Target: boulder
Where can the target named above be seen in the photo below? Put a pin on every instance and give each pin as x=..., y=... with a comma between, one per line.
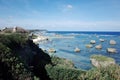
x=52, y=50
x=98, y=46
x=89, y=46
x=102, y=40
x=92, y=42
x=77, y=50
x=112, y=42
x=111, y=50
x=101, y=61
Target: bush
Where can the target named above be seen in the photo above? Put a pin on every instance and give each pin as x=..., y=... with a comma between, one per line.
x=62, y=62
x=62, y=69
x=17, y=55
x=60, y=73
x=109, y=73
x=14, y=68
x=13, y=40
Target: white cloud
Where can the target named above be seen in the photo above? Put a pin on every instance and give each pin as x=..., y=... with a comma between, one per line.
x=69, y=6
x=65, y=24
x=66, y=8
x=83, y=25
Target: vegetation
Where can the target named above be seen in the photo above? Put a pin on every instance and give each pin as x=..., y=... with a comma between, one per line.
x=58, y=72
x=63, y=69
x=11, y=66
x=62, y=62
x=61, y=73
x=104, y=73
x=101, y=58
x=13, y=40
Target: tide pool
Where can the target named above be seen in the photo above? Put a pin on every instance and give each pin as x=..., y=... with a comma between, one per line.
x=65, y=46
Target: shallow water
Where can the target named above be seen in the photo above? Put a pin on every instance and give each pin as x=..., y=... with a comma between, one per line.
x=65, y=47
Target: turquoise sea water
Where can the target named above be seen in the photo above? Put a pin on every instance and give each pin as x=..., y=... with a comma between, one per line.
x=65, y=42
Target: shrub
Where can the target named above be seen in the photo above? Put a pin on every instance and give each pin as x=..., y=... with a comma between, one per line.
x=62, y=69
x=13, y=40
x=60, y=73
x=62, y=62
x=13, y=65
x=108, y=73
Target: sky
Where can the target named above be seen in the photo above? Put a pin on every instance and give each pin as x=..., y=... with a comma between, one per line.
x=61, y=15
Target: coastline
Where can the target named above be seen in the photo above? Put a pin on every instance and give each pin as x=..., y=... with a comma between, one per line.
x=39, y=39
x=65, y=43
x=44, y=66
x=44, y=38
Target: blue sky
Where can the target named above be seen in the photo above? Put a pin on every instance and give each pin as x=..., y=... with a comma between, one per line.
x=77, y=15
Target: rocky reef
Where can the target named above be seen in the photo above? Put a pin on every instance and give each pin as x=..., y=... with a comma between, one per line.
x=113, y=42
x=101, y=61
x=89, y=46
x=98, y=46
x=111, y=50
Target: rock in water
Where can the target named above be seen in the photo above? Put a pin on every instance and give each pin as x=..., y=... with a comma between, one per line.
x=101, y=61
x=52, y=50
x=102, y=40
x=77, y=50
x=92, y=42
x=98, y=46
x=112, y=42
x=89, y=46
x=111, y=50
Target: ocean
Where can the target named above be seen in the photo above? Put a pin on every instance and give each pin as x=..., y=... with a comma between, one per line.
x=65, y=42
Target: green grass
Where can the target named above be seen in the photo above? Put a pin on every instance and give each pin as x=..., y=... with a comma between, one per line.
x=101, y=58
x=61, y=73
x=107, y=73
x=62, y=62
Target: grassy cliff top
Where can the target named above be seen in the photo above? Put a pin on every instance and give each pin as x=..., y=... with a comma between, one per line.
x=101, y=58
x=62, y=62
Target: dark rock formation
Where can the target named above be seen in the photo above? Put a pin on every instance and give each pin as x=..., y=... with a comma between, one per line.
x=27, y=53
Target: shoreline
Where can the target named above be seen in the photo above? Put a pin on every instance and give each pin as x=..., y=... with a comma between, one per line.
x=64, y=45
x=62, y=37
x=44, y=38
x=39, y=39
